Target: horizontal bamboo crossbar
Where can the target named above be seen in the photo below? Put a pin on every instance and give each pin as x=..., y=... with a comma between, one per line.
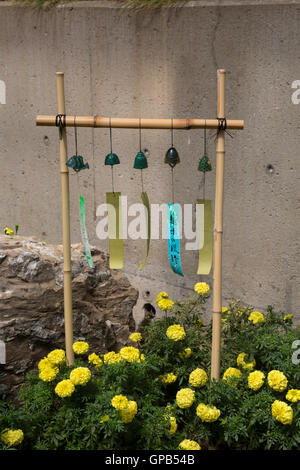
x=136, y=123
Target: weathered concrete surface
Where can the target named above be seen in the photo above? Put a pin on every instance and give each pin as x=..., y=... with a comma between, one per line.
x=31, y=304
x=161, y=64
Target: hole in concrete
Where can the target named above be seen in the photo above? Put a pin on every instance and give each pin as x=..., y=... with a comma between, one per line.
x=146, y=293
x=270, y=169
x=149, y=310
x=46, y=140
x=146, y=152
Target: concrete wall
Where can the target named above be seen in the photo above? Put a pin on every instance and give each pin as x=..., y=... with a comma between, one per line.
x=161, y=64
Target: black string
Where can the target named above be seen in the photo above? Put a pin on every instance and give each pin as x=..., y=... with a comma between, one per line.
x=222, y=126
x=110, y=135
x=140, y=138
x=75, y=129
x=172, y=168
x=60, y=121
x=140, y=134
x=112, y=167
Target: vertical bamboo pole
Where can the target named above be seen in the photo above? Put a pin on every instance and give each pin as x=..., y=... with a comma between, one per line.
x=218, y=231
x=64, y=173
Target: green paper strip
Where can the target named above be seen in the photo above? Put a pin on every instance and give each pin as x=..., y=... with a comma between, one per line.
x=84, y=233
x=205, y=253
x=115, y=231
x=146, y=203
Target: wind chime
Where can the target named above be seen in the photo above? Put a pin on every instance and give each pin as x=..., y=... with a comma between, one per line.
x=205, y=248
x=141, y=163
x=173, y=215
x=77, y=164
x=172, y=159
x=116, y=258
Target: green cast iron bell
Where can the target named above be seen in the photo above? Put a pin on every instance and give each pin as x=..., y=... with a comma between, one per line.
x=76, y=162
x=204, y=164
x=140, y=161
x=112, y=159
x=172, y=157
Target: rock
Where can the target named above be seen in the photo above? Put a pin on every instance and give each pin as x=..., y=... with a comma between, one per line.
x=32, y=307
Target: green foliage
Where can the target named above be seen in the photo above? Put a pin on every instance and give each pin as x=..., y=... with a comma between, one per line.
x=80, y=422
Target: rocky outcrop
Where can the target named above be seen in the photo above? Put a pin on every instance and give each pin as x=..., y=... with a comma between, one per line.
x=32, y=309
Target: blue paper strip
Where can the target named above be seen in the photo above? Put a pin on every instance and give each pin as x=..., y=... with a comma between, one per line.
x=174, y=238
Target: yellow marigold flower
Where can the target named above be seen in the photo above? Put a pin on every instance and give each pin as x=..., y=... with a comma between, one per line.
x=48, y=373
x=207, y=413
x=256, y=317
x=127, y=414
x=173, y=425
x=201, y=288
x=293, y=395
x=175, y=332
x=57, y=357
x=231, y=374
x=241, y=361
x=277, y=380
x=187, y=444
x=112, y=357
x=162, y=295
x=169, y=378
x=44, y=363
x=95, y=360
x=80, y=347
x=104, y=419
x=185, y=397
x=225, y=310
x=12, y=437
x=65, y=388
x=135, y=337
x=185, y=354
x=119, y=402
x=198, y=377
x=288, y=317
x=165, y=304
x=256, y=380
x=282, y=412
x=80, y=376
x=130, y=354
x=8, y=231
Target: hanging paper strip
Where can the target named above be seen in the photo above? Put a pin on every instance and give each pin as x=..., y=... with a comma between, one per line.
x=174, y=238
x=146, y=203
x=84, y=233
x=205, y=253
x=114, y=231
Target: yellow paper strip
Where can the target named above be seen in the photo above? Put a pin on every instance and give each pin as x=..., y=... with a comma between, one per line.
x=115, y=231
x=205, y=254
x=146, y=203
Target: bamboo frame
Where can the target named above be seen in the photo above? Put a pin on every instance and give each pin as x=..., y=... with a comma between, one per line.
x=218, y=232
x=65, y=193
x=137, y=123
